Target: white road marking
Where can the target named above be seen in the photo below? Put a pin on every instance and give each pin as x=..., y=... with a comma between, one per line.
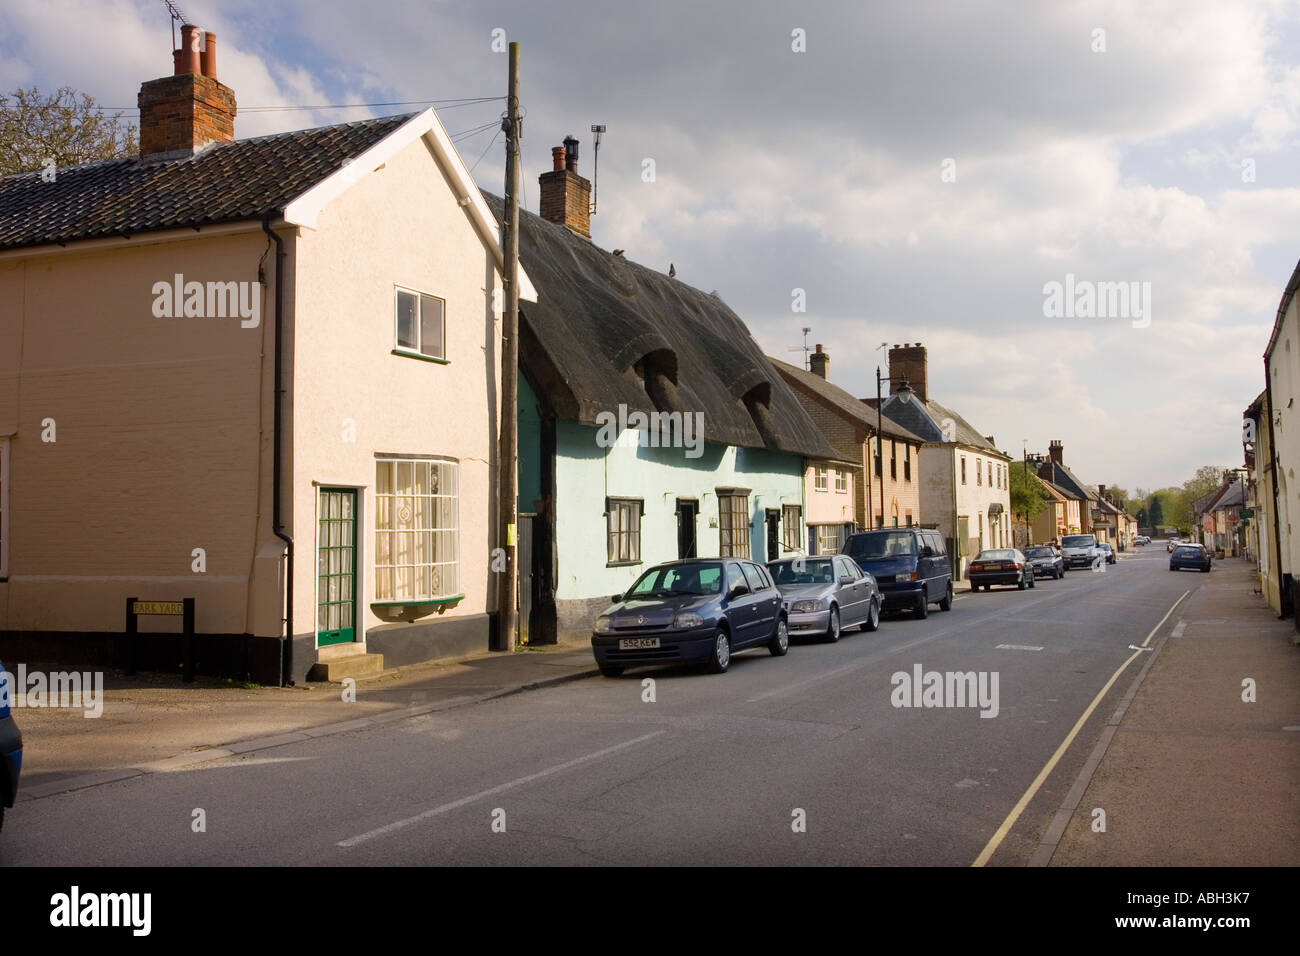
x=500, y=788
x=1178, y=629
x=1017, y=647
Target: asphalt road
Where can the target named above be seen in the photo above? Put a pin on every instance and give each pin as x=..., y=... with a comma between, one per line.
x=716, y=770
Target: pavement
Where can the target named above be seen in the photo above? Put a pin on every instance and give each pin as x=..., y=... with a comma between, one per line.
x=155, y=722
x=1188, y=772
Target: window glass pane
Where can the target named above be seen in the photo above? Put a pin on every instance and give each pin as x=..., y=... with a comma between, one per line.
x=384, y=477
x=405, y=477
x=431, y=326
x=406, y=331
x=421, y=477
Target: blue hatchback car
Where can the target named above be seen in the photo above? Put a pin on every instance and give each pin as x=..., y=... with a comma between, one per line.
x=696, y=611
x=11, y=749
x=1194, y=557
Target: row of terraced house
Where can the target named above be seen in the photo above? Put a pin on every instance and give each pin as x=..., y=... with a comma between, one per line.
x=264, y=374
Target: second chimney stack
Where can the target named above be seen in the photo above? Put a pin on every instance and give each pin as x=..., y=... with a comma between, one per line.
x=566, y=196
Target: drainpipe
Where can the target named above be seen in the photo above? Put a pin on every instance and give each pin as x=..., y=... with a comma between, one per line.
x=277, y=522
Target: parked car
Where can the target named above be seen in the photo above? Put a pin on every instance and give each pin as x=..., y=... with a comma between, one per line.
x=910, y=566
x=1173, y=543
x=1047, y=561
x=1001, y=566
x=11, y=750
x=1107, y=551
x=1194, y=556
x=824, y=595
x=1080, y=550
x=698, y=611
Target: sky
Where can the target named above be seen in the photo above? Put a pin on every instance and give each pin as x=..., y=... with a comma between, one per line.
x=908, y=172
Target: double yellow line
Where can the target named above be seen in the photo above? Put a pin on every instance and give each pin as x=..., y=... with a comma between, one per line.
x=1001, y=833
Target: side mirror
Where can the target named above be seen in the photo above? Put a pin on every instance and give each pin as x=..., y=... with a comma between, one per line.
x=927, y=552
x=737, y=591
x=616, y=599
x=845, y=579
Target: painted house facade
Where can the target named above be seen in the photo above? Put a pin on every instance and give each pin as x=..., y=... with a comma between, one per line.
x=887, y=494
x=965, y=484
x=313, y=469
x=1091, y=520
x=1282, y=382
x=661, y=429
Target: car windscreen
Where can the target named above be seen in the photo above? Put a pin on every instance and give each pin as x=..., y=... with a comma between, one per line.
x=679, y=579
x=996, y=555
x=1039, y=553
x=1078, y=541
x=806, y=571
x=1188, y=552
x=881, y=544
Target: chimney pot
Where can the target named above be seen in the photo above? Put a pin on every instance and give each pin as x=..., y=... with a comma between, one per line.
x=189, y=59
x=208, y=62
x=557, y=158
x=570, y=153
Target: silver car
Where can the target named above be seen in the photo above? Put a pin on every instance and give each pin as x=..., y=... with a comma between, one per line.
x=824, y=595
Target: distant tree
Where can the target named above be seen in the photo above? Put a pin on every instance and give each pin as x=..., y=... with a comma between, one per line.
x=65, y=127
x=1206, y=479
x=1156, y=511
x=1142, y=518
x=1026, y=494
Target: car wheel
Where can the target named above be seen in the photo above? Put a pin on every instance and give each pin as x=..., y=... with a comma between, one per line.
x=1021, y=583
x=721, y=658
x=781, y=643
x=872, y=622
x=833, y=626
x=1033, y=580
x=946, y=603
x=923, y=608
x=611, y=670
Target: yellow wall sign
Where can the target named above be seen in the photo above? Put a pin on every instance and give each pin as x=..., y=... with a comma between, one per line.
x=158, y=607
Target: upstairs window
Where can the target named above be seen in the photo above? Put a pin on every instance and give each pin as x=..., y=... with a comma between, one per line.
x=963, y=469
x=820, y=482
x=979, y=473
x=841, y=481
x=893, y=460
x=421, y=325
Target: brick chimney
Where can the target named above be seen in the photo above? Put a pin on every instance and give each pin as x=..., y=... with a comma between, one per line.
x=566, y=196
x=908, y=363
x=1056, y=452
x=182, y=113
x=819, y=362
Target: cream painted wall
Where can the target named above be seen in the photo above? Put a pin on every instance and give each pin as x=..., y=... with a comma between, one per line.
x=399, y=226
x=158, y=434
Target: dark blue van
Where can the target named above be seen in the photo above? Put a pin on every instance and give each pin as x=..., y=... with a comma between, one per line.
x=910, y=565
x=11, y=748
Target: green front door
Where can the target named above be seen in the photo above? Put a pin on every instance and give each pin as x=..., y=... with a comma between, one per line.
x=336, y=566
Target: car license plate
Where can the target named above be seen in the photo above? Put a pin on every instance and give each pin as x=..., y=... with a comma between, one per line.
x=637, y=643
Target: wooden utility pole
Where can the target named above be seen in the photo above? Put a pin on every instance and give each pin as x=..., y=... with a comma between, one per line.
x=509, y=450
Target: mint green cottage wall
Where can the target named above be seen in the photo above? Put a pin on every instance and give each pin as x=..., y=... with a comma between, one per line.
x=587, y=476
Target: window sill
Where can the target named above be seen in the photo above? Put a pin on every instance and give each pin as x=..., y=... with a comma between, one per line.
x=412, y=610
x=421, y=356
x=623, y=564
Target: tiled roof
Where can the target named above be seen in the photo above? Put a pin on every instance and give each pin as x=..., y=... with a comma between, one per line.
x=844, y=401
x=226, y=182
